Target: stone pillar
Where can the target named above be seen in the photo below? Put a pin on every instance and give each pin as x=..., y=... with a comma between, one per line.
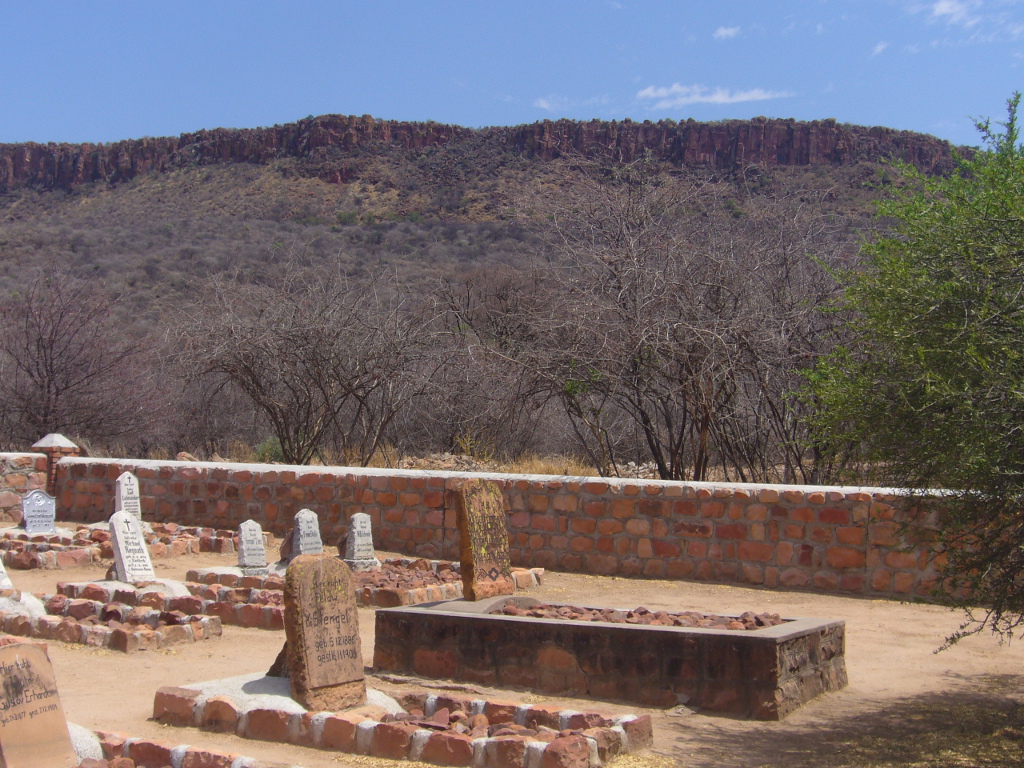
x=55, y=447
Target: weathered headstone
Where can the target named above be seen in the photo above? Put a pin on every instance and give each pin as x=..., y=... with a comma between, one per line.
x=483, y=540
x=39, y=512
x=33, y=731
x=306, y=535
x=359, y=554
x=325, y=658
x=252, y=552
x=127, y=497
x=131, y=557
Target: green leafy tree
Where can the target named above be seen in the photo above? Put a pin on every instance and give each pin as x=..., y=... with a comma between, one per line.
x=932, y=393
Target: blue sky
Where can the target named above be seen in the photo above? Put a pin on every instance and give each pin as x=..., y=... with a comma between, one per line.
x=103, y=71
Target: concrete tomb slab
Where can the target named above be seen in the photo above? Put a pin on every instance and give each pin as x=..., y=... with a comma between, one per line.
x=306, y=535
x=131, y=557
x=127, y=498
x=33, y=730
x=359, y=553
x=324, y=654
x=39, y=512
x=252, y=552
x=483, y=540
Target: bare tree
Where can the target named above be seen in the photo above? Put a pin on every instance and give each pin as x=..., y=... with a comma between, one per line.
x=325, y=360
x=68, y=364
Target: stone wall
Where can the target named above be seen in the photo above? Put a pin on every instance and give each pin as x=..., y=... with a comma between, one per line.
x=832, y=539
x=19, y=474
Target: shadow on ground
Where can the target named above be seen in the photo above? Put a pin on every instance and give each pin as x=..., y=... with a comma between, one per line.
x=978, y=722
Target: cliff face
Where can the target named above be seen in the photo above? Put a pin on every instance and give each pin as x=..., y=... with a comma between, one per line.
x=717, y=145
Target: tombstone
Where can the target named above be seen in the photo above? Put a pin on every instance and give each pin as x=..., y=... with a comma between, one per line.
x=252, y=552
x=127, y=497
x=359, y=554
x=131, y=557
x=5, y=580
x=483, y=540
x=39, y=512
x=33, y=731
x=306, y=534
x=321, y=624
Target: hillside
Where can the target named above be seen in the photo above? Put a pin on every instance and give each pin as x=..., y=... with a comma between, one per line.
x=364, y=195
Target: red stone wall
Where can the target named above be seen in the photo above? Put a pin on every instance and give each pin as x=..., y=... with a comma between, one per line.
x=826, y=538
x=19, y=474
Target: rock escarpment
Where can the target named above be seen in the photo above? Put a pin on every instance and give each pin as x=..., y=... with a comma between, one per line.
x=722, y=145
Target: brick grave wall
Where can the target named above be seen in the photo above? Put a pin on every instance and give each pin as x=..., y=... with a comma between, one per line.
x=832, y=539
x=19, y=474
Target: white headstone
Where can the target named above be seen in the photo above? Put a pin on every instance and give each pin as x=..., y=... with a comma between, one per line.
x=252, y=552
x=127, y=497
x=39, y=512
x=131, y=558
x=306, y=536
x=5, y=580
x=359, y=554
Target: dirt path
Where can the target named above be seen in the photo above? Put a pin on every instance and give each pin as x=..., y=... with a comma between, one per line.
x=898, y=686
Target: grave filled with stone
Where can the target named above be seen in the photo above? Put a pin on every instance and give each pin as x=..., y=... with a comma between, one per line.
x=641, y=616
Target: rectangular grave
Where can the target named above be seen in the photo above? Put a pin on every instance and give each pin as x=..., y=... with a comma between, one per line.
x=324, y=652
x=483, y=540
x=764, y=673
x=131, y=557
x=126, y=497
x=33, y=730
x=39, y=512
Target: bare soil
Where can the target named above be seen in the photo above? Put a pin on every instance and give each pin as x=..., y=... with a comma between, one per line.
x=905, y=706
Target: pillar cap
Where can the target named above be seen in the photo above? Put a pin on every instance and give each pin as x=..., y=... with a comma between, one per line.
x=53, y=440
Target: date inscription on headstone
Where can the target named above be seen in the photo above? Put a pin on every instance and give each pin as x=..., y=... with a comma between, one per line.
x=127, y=497
x=33, y=731
x=483, y=540
x=39, y=512
x=131, y=557
x=322, y=627
x=306, y=536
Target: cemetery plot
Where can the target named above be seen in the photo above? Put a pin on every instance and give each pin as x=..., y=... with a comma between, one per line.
x=112, y=624
x=764, y=673
x=443, y=729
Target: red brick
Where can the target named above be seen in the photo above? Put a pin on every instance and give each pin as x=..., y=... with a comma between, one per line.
x=731, y=531
x=567, y=752
x=509, y=751
x=448, y=749
x=220, y=714
x=753, y=550
x=151, y=754
x=392, y=740
x=174, y=705
x=640, y=732
x=267, y=725
x=340, y=731
x=834, y=515
x=201, y=758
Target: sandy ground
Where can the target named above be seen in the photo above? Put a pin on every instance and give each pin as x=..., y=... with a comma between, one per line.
x=897, y=681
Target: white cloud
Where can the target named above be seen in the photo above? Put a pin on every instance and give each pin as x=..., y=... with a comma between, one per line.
x=678, y=95
x=563, y=104
x=879, y=48
x=724, y=33
x=955, y=12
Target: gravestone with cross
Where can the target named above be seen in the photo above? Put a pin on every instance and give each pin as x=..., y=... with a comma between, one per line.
x=127, y=498
x=131, y=557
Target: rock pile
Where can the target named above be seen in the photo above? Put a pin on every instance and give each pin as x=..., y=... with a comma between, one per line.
x=745, y=621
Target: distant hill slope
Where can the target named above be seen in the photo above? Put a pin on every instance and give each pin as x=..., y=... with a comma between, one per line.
x=331, y=143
